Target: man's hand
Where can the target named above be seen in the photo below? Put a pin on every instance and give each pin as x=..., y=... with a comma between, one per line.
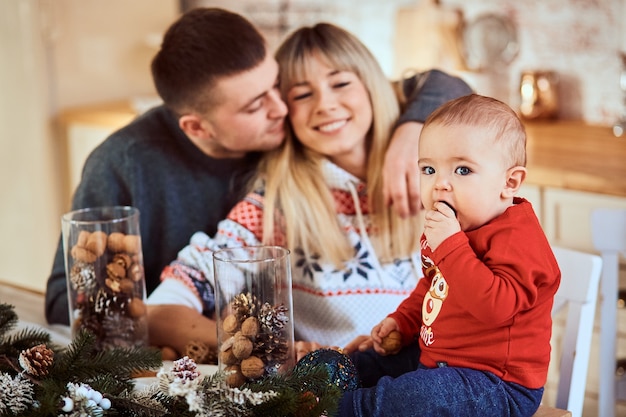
x=401, y=171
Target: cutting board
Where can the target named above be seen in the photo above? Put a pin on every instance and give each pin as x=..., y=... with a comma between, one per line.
x=426, y=37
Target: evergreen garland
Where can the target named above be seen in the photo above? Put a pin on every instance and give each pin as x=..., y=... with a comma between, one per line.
x=38, y=378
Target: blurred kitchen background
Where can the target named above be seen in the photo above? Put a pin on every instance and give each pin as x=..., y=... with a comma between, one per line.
x=59, y=56
x=71, y=71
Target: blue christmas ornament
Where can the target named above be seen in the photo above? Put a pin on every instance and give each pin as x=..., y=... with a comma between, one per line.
x=341, y=370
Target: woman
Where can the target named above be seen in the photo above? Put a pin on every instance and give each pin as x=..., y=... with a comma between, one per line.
x=320, y=195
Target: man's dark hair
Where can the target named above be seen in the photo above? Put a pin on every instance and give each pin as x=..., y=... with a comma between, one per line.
x=203, y=45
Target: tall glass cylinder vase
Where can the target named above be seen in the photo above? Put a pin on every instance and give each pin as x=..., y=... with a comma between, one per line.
x=105, y=275
x=254, y=312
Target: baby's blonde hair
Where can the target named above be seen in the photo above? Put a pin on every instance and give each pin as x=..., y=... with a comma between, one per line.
x=496, y=117
x=294, y=184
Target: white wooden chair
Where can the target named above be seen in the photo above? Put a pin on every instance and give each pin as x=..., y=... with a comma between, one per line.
x=608, y=230
x=580, y=275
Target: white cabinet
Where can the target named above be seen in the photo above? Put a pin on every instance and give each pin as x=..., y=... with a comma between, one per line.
x=566, y=215
x=532, y=193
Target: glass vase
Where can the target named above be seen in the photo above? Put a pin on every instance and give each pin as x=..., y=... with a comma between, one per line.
x=254, y=312
x=105, y=275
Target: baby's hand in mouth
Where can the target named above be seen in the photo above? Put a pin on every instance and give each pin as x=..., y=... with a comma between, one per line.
x=448, y=204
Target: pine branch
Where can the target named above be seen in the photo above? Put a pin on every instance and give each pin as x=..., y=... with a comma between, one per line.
x=8, y=319
x=83, y=361
x=14, y=343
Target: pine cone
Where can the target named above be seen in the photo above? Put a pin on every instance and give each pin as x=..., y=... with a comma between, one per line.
x=185, y=369
x=272, y=349
x=244, y=306
x=36, y=360
x=273, y=319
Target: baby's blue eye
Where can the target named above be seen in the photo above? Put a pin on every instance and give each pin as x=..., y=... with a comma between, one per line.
x=428, y=170
x=463, y=171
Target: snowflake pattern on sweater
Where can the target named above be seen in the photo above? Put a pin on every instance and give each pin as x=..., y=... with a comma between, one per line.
x=331, y=306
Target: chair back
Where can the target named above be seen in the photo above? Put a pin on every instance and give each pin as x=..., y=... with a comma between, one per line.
x=580, y=276
x=608, y=232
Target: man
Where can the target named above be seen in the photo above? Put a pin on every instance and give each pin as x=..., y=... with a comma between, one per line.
x=186, y=163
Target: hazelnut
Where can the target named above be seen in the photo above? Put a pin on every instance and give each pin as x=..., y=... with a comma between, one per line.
x=252, y=367
x=250, y=327
x=83, y=255
x=242, y=348
x=230, y=324
x=132, y=244
x=83, y=237
x=392, y=343
x=97, y=243
x=115, y=242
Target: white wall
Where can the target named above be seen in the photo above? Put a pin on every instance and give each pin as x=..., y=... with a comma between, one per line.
x=30, y=203
x=56, y=54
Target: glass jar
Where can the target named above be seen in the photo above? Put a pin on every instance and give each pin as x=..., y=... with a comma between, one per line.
x=105, y=275
x=254, y=312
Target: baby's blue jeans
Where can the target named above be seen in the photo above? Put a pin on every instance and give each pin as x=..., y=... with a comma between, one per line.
x=398, y=386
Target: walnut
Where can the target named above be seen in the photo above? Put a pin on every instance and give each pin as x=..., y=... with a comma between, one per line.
x=230, y=324
x=252, y=367
x=250, y=327
x=392, y=343
x=235, y=378
x=242, y=348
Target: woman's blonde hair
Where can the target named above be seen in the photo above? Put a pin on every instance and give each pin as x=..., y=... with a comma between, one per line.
x=295, y=187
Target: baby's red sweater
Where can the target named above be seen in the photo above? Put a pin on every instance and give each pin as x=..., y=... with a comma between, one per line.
x=498, y=284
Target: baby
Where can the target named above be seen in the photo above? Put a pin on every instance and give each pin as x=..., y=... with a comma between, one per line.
x=476, y=330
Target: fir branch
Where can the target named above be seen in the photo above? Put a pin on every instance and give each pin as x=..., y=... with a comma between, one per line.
x=14, y=343
x=8, y=319
x=295, y=391
x=83, y=361
x=138, y=407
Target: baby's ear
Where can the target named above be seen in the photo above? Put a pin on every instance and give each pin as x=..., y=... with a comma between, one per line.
x=514, y=178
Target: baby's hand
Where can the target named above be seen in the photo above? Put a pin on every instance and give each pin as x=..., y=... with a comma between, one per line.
x=382, y=335
x=440, y=223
